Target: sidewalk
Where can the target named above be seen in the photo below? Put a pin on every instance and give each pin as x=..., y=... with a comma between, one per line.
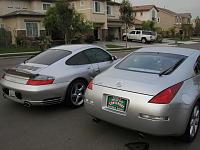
x=133, y=44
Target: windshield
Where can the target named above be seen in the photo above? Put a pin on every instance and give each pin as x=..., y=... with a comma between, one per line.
x=148, y=33
x=49, y=57
x=150, y=62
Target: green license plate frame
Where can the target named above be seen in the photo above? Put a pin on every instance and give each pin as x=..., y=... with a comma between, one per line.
x=117, y=103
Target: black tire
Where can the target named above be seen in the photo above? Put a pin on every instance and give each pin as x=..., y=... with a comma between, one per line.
x=144, y=40
x=75, y=93
x=193, y=124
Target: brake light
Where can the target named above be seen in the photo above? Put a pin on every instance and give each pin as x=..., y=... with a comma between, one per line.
x=90, y=85
x=166, y=96
x=39, y=82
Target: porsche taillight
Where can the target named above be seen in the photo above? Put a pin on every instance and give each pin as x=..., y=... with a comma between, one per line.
x=40, y=80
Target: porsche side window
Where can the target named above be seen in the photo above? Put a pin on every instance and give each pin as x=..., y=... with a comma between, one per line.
x=78, y=59
x=197, y=66
x=97, y=55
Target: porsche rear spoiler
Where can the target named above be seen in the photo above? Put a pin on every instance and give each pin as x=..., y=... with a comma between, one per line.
x=21, y=73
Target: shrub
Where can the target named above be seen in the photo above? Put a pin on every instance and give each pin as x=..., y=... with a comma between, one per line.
x=159, y=38
x=89, y=39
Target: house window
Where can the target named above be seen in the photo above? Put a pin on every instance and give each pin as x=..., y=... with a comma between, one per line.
x=32, y=29
x=188, y=21
x=73, y=5
x=109, y=10
x=46, y=6
x=2, y=25
x=153, y=15
x=158, y=20
x=81, y=2
x=141, y=13
x=97, y=7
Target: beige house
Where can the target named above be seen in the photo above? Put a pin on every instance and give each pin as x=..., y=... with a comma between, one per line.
x=104, y=14
x=23, y=18
x=168, y=19
x=185, y=18
x=146, y=12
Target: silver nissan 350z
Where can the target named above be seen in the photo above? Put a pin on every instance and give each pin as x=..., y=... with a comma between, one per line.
x=153, y=90
x=59, y=74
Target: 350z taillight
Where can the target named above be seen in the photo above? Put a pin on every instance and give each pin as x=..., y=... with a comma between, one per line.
x=166, y=96
x=90, y=85
x=40, y=80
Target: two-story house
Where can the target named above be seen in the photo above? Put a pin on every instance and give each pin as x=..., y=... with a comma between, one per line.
x=185, y=18
x=23, y=18
x=146, y=12
x=168, y=19
x=104, y=14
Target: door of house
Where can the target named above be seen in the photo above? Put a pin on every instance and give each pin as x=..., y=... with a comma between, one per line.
x=96, y=37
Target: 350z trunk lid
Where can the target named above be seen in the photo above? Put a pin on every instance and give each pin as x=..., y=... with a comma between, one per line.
x=136, y=82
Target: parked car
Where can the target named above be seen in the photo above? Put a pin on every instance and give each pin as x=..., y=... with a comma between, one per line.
x=140, y=35
x=152, y=90
x=59, y=74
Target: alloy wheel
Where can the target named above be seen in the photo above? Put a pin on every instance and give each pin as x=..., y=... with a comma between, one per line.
x=194, y=122
x=77, y=93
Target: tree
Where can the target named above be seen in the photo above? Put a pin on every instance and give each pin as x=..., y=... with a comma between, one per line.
x=148, y=25
x=197, y=26
x=126, y=11
x=63, y=18
x=186, y=31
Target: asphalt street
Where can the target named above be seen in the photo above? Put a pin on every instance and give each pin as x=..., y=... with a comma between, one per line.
x=61, y=128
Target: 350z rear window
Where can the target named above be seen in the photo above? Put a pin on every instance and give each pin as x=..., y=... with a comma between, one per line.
x=151, y=62
x=49, y=57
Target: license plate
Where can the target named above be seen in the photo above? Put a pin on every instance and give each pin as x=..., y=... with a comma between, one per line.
x=11, y=93
x=117, y=103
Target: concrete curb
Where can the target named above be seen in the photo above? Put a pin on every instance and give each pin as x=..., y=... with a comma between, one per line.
x=5, y=55
x=111, y=50
x=23, y=54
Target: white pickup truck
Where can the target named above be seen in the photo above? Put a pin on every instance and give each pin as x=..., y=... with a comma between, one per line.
x=140, y=35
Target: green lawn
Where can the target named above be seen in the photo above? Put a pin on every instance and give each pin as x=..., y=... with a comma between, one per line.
x=113, y=46
x=14, y=49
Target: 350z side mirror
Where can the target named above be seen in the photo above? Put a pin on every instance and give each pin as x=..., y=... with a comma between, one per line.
x=114, y=58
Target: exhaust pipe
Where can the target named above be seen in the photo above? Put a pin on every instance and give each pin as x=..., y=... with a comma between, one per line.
x=96, y=120
x=27, y=104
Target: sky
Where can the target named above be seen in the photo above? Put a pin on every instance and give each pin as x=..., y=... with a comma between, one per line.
x=179, y=6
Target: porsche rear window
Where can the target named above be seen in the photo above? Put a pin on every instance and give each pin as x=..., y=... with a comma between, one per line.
x=150, y=62
x=49, y=57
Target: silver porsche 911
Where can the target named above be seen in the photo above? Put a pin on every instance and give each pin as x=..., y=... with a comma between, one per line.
x=152, y=90
x=55, y=75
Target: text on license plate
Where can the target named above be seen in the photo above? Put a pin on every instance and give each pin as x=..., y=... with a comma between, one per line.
x=117, y=103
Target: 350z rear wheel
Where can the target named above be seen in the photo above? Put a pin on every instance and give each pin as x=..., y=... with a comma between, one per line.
x=75, y=93
x=193, y=124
